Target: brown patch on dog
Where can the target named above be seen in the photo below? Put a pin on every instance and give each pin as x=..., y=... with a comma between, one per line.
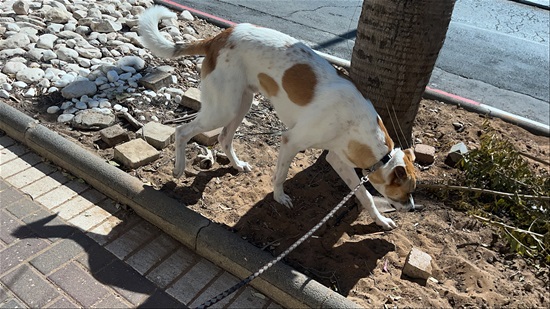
x=299, y=82
x=360, y=154
x=388, y=140
x=213, y=47
x=268, y=84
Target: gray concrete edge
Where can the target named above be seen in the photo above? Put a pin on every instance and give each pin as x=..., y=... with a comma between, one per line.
x=283, y=284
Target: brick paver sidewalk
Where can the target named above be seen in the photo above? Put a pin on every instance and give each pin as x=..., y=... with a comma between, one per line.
x=63, y=244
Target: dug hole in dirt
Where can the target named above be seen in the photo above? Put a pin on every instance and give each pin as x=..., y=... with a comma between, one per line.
x=472, y=265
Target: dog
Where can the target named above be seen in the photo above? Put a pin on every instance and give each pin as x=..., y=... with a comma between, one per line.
x=320, y=108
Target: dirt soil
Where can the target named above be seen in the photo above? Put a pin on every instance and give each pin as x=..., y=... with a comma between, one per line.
x=471, y=265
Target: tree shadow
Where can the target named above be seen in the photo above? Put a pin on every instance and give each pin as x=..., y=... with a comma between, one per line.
x=343, y=251
x=104, y=266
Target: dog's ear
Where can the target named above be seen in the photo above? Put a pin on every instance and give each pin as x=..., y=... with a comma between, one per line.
x=410, y=153
x=400, y=173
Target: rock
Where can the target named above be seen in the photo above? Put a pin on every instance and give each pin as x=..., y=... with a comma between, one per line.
x=57, y=15
x=156, y=80
x=105, y=26
x=79, y=88
x=30, y=75
x=157, y=134
x=13, y=67
x=67, y=54
x=90, y=52
x=114, y=135
x=20, y=84
x=65, y=118
x=46, y=41
x=11, y=52
x=20, y=7
x=112, y=76
x=456, y=154
x=53, y=109
x=418, y=265
x=459, y=127
x=209, y=138
x=135, y=153
x=30, y=93
x=192, y=99
x=92, y=120
x=425, y=154
x=186, y=15
x=15, y=41
x=4, y=94
x=132, y=61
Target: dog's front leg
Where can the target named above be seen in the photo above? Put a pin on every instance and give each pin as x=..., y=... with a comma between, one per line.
x=350, y=177
x=286, y=154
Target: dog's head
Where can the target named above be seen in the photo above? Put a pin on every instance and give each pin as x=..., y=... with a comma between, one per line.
x=396, y=180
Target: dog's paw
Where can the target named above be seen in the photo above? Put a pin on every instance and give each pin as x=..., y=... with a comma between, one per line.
x=243, y=167
x=283, y=199
x=386, y=223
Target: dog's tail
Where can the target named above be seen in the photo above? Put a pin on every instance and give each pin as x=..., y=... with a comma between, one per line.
x=157, y=43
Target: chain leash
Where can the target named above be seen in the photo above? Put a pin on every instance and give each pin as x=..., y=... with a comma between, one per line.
x=245, y=281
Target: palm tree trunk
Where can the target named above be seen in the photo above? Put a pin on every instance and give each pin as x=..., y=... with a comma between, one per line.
x=397, y=44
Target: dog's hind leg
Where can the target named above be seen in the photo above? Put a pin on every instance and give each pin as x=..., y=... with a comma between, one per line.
x=184, y=133
x=226, y=136
x=288, y=151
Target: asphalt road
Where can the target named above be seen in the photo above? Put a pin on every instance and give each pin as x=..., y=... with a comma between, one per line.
x=496, y=52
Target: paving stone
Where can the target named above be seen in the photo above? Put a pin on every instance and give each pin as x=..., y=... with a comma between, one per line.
x=22, y=208
x=222, y=283
x=250, y=298
x=19, y=252
x=418, y=264
x=135, y=153
x=30, y=175
x=161, y=299
x=154, y=252
x=132, y=239
x=45, y=184
x=30, y=287
x=12, y=303
x=11, y=225
x=79, y=284
x=157, y=134
x=79, y=204
x=64, y=303
x=61, y=252
x=193, y=281
x=89, y=218
x=126, y=281
x=62, y=194
x=112, y=228
x=425, y=154
x=114, y=135
x=12, y=152
x=6, y=141
x=192, y=99
x=96, y=258
x=209, y=138
x=113, y=301
x=156, y=80
x=9, y=196
x=19, y=164
x=48, y=226
x=172, y=267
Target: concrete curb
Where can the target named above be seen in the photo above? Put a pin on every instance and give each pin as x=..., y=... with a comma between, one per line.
x=283, y=284
x=430, y=93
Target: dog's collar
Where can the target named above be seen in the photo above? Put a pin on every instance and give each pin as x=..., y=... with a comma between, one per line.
x=385, y=159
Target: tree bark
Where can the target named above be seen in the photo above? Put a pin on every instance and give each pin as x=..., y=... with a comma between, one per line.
x=395, y=51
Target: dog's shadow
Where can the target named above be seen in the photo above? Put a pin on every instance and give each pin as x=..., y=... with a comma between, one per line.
x=104, y=266
x=342, y=252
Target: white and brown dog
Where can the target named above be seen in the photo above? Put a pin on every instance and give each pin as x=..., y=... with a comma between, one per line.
x=320, y=108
